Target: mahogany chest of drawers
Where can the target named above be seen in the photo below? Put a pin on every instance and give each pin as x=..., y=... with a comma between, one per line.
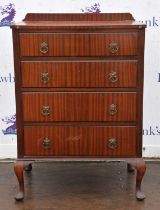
x=79, y=89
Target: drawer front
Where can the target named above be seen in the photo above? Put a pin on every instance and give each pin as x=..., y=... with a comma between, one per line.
x=79, y=106
x=84, y=141
x=79, y=74
x=78, y=44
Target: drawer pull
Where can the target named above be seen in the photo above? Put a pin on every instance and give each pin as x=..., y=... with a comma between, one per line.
x=44, y=47
x=46, y=143
x=112, y=143
x=113, y=77
x=45, y=110
x=45, y=77
x=113, y=47
x=113, y=109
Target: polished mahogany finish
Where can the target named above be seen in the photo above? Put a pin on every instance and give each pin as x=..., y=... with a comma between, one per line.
x=84, y=106
x=77, y=17
x=80, y=140
x=89, y=74
x=78, y=44
x=79, y=89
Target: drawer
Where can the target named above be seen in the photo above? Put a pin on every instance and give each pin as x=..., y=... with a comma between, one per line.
x=80, y=140
x=78, y=44
x=79, y=74
x=83, y=106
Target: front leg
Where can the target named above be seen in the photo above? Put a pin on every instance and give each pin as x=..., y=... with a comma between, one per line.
x=140, y=166
x=18, y=168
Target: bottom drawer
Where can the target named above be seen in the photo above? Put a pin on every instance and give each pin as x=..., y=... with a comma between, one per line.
x=80, y=141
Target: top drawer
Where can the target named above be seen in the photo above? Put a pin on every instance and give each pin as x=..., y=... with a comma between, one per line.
x=78, y=44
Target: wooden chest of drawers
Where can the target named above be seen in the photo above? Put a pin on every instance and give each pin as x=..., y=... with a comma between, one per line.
x=79, y=88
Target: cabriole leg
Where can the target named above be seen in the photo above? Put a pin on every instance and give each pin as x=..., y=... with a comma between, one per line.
x=18, y=168
x=140, y=166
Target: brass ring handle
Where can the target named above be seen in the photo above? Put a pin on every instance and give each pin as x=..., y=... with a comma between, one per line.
x=46, y=143
x=113, y=47
x=112, y=143
x=45, y=110
x=113, y=77
x=45, y=77
x=44, y=47
x=113, y=109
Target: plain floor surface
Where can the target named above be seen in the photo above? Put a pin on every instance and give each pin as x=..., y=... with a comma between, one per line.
x=80, y=186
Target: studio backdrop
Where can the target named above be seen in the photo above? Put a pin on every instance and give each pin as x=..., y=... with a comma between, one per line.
x=147, y=11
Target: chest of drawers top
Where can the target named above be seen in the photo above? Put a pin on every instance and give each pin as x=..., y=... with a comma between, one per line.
x=78, y=21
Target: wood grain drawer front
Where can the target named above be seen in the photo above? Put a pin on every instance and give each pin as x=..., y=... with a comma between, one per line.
x=84, y=141
x=79, y=74
x=79, y=106
x=78, y=44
